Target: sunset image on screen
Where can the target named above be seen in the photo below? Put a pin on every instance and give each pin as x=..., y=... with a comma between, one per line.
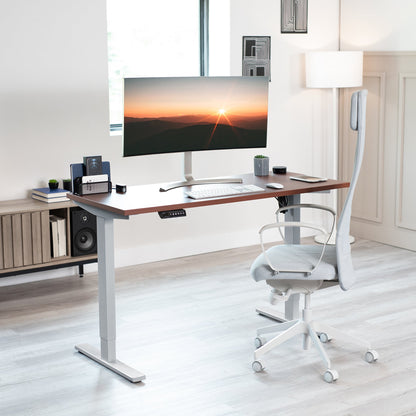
x=163, y=115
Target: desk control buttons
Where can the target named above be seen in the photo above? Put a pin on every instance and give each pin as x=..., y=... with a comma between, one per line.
x=173, y=213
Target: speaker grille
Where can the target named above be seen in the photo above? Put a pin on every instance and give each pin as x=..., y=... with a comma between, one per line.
x=85, y=240
x=83, y=232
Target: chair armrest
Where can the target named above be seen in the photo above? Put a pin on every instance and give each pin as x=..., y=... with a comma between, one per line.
x=300, y=224
x=313, y=206
x=280, y=224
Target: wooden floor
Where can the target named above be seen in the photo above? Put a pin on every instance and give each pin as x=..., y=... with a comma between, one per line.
x=189, y=325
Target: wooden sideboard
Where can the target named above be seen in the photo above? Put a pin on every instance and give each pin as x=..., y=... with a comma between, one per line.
x=25, y=241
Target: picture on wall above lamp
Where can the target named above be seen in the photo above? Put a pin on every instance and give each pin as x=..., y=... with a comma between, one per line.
x=294, y=16
x=256, y=56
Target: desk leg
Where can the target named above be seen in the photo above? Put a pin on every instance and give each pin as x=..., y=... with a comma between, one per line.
x=292, y=236
x=106, y=303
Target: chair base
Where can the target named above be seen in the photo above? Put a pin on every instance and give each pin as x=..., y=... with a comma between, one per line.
x=314, y=331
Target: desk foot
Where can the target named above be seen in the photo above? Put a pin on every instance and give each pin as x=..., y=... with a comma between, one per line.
x=271, y=313
x=118, y=367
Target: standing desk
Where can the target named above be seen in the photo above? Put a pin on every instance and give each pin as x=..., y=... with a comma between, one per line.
x=147, y=198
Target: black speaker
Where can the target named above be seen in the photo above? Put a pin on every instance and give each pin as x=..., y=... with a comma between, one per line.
x=83, y=232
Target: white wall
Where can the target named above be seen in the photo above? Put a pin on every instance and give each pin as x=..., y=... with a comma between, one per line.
x=298, y=123
x=378, y=25
x=54, y=110
x=53, y=102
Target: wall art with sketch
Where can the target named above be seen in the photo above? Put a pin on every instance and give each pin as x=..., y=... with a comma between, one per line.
x=256, y=56
x=294, y=16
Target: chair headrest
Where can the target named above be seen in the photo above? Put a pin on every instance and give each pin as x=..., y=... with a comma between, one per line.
x=354, y=111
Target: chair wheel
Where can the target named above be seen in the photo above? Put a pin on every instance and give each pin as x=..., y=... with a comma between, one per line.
x=324, y=338
x=371, y=356
x=259, y=341
x=257, y=366
x=330, y=376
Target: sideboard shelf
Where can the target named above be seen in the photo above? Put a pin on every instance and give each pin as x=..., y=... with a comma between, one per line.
x=25, y=242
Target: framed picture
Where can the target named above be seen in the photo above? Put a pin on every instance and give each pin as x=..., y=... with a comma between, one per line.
x=294, y=16
x=256, y=56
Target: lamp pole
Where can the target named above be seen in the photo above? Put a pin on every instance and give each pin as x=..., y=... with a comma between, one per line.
x=334, y=69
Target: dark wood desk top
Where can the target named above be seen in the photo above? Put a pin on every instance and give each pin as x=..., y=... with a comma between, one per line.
x=147, y=198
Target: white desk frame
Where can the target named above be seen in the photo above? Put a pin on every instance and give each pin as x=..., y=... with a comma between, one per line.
x=107, y=298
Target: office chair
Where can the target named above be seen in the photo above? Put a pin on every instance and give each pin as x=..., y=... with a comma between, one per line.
x=291, y=269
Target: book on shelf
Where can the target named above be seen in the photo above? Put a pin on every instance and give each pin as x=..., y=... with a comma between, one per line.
x=49, y=193
x=50, y=200
x=58, y=235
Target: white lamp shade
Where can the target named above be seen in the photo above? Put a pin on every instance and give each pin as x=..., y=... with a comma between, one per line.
x=334, y=69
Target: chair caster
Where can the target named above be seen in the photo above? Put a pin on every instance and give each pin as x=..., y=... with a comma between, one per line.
x=324, y=338
x=330, y=376
x=259, y=341
x=371, y=356
x=257, y=366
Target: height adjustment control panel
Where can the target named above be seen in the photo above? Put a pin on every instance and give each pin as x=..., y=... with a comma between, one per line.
x=173, y=213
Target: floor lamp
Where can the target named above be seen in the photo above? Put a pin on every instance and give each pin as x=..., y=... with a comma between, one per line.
x=334, y=69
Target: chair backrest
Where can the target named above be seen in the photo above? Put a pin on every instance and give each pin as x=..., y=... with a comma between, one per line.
x=346, y=272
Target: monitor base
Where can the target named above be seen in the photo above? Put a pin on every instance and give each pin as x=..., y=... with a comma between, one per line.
x=206, y=181
x=189, y=180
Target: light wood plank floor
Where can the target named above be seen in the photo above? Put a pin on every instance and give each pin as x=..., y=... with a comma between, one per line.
x=189, y=325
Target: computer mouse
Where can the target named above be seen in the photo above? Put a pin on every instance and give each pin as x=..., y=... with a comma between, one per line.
x=275, y=185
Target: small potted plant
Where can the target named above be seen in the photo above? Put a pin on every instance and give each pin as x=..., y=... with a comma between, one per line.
x=261, y=165
x=53, y=184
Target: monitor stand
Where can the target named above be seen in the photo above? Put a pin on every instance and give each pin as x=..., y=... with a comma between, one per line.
x=189, y=180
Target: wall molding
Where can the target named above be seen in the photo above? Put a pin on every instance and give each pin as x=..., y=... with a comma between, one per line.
x=400, y=221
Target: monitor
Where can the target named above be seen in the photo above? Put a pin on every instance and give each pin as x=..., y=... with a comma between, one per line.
x=187, y=114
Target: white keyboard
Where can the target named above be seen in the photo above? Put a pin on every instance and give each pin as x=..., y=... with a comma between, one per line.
x=224, y=190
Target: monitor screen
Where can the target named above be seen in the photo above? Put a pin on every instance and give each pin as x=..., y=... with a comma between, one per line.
x=164, y=115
